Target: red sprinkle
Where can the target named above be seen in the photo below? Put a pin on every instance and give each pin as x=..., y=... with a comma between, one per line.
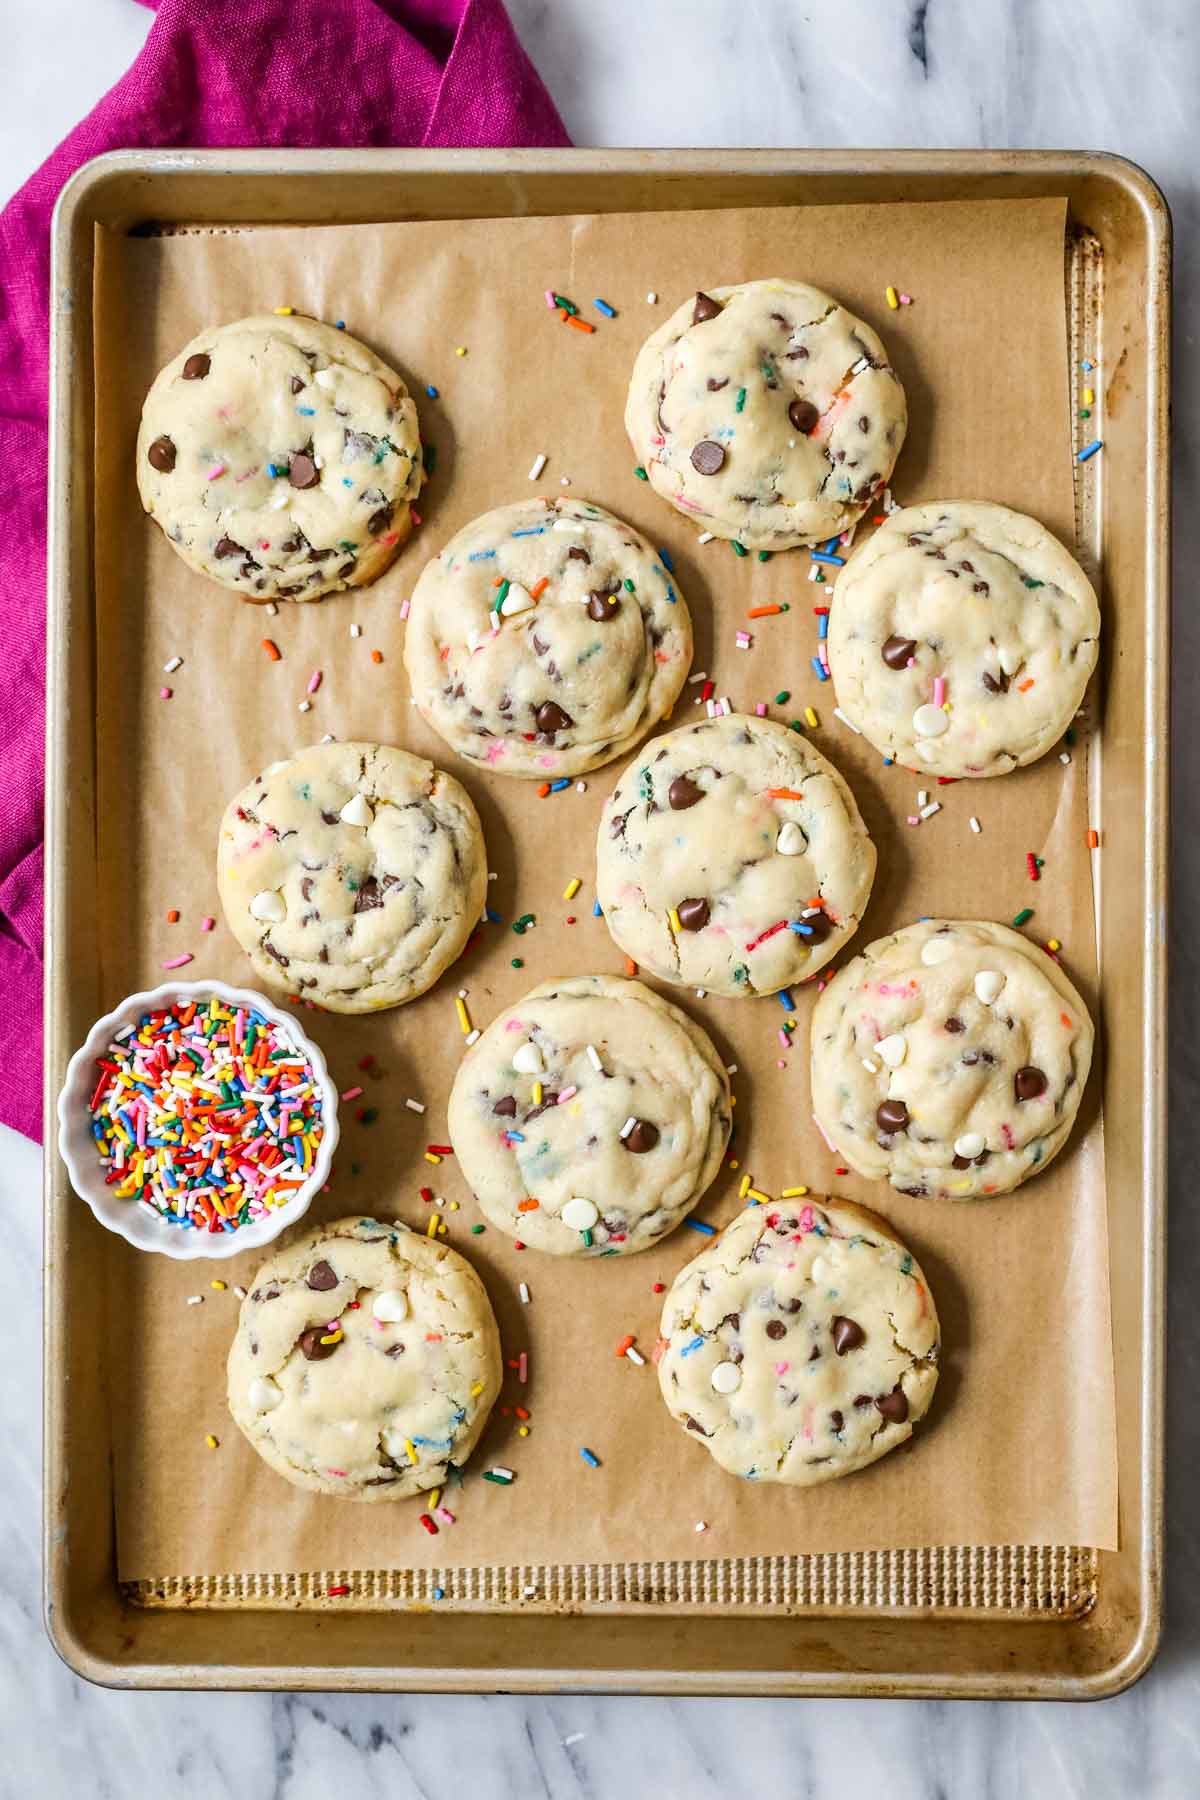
x=426, y=1195
x=335, y=1591
x=429, y=1525
x=440, y=1149
x=1032, y=865
x=708, y=690
x=659, y=1287
x=768, y=933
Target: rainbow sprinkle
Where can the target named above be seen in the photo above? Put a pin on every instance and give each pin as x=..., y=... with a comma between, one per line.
x=206, y=1115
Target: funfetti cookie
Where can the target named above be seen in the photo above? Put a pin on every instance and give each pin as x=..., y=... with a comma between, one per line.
x=731, y=857
x=352, y=874
x=280, y=457
x=950, y=1059
x=591, y=1117
x=546, y=638
x=767, y=413
x=961, y=638
x=366, y=1361
x=802, y=1344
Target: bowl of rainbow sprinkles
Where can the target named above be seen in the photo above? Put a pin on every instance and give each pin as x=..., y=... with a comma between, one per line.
x=197, y=1120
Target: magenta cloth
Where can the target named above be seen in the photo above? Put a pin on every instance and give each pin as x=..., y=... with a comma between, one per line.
x=218, y=73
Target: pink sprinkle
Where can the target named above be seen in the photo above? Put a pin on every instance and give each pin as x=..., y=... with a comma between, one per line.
x=939, y=689
x=314, y=681
x=341, y=1473
x=780, y=1064
x=782, y=1368
x=912, y=819
x=165, y=693
x=207, y=923
x=215, y=474
x=352, y=1093
x=550, y=301
x=514, y=1025
x=567, y=1094
x=784, y=1039
x=264, y=543
x=416, y=517
x=245, y=476
x=906, y=299
x=806, y=1220
x=404, y=606
x=824, y=1134
x=495, y=751
x=761, y=709
x=393, y=537
x=523, y=1367
x=177, y=962
x=444, y=1514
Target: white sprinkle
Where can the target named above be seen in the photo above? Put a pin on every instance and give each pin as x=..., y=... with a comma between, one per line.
x=504, y=1474
x=594, y=1058
x=973, y=822
x=277, y=502
x=564, y=481
x=577, y=1737
x=872, y=1068
x=414, y=1106
x=581, y=787
x=473, y=1035
x=706, y=537
x=927, y=812
x=240, y=1292
x=694, y=680
x=462, y=993
x=701, y=1525
x=328, y=738
x=176, y=662
x=1063, y=755
x=628, y=1126
x=528, y=1593
x=524, y=1293
x=536, y=467
x=858, y=367
x=493, y=875
x=731, y=1068
x=356, y=631
x=726, y=703
x=710, y=707
x=839, y=714
x=635, y=1356
x=700, y=993
x=922, y=796
x=195, y=1299
x=814, y=573
x=651, y=300
x=304, y=706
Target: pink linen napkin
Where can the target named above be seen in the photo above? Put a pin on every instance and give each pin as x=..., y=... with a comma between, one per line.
x=219, y=73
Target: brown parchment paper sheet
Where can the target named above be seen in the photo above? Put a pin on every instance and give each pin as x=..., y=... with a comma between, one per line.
x=1020, y=1445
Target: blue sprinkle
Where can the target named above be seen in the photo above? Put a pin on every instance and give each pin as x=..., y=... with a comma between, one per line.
x=889, y=762
x=596, y=912
x=556, y=787
x=671, y=594
x=439, y=1593
x=310, y=412
x=1090, y=449
x=592, y=1461
x=823, y=556
x=432, y=392
x=1087, y=366
x=699, y=1225
x=786, y=1001
x=530, y=531
x=800, y=928
x=339, y=325
x=823, y=625
x=515, y=1137
x=695, y=1343
x=492, y=916
x=831, y=546
x=664, y=557
x=480, y=555
x=435, y=1443
x=273, y=470
x=602, y=306
x=347, y=481
x=819, y=666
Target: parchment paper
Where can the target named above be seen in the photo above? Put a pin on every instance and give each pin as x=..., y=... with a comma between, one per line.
x=1020, y=1444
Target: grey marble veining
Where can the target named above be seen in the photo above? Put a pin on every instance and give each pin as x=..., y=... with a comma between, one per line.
x=1108, y=75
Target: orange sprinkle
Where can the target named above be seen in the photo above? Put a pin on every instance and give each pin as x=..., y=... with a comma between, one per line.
x=784, y=794
x=543, y=790
x=579, y=324
x=1065, y=1020
x=528, y=1205
x=631, y=967
x=499, y=581
x=172, y=917
x=1023, y=687
x=539, y=588
x=763, y=612
x=522, y=1412
x=377, y=656
x=272, y=650
x=1093, y=840
x=624, y=1345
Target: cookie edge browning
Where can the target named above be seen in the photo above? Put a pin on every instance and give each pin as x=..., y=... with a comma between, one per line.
x=430, y=1255
x=613, y=987
x=852, y=971
x=369, y=567
x=859, y=1218
x=1063, y=569
x=475, y=897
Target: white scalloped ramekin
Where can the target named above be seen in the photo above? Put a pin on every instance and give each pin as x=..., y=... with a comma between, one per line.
x=77, y=1147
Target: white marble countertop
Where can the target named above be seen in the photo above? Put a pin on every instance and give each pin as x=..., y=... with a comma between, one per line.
x=995, y=73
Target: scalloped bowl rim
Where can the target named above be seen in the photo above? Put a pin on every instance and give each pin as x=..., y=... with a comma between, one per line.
x=77, y=1149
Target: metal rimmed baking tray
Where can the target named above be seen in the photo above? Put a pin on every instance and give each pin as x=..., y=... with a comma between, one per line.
x=1011, y=1621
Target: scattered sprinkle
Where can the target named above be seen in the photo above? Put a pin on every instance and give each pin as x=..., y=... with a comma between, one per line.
x=589, y=1457
x=537, y=465
x=272, y=650
x=973, y=822
x=1089, y=450
x=1025, y=913
x=893, y=298
x=602, y=306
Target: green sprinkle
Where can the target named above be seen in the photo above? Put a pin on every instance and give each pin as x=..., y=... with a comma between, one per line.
x=906, y=1264
x=475, y=1230
x=501, y=593
x=1030, y=583
x=587, y=1238
x=1086, y=413
x=629, y=588
x=1069, y=734
x=500, y=1480
x=768, y=373
x=741, y=973
x=739, y=549
x=782, y=697
x=795, y=725
x=517, y=963
x=740, y=401
x=569, y=305
x=1026, y=912
x=429, y=457
x=521, y=925
x=764, y=556
x=641, y=473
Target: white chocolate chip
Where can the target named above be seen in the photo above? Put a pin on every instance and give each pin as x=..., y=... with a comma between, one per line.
x=264, y=1395
x=395, y=1447
x=820, y=1269
x=268, y=905
x=357, y=811
x=791, y=841
x=988, y=983
x=893, y=1049
x=726, y=1378
x=390, y=1307
x=930, y=721
x=517, y=600
x=527, y=1060
x=580, y=1214
x=937, y=950
x=324, y=378
x=971, y=1144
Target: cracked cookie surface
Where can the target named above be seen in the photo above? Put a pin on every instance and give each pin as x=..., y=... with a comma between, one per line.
x=961, y=638
x=731, y=857
x=366, y=1361
x=352, y=874
x=591, y=1117
x=281, y=458
x=950, y=1059
x=767, y=413
x=546, y=638
x=802, y=1344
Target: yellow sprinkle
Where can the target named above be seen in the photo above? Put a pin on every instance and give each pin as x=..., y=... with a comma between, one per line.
x=432, y=1500
x=431, y=1156
x=211, y=1441
x=477, y=1389
x=281, y=312
x=733, y=1099
x=332, y=1337
x=758, y=1197
x=454, y=1206
x=810, y=715
x=460, y=350
x=793, y=1193
x=537, y=1093
x=572, y=888
x=676, y=927
x=464, y=1017
x=1053, y=944
x=434, y=1221
x=960, y=1187
x=219, y=1285
x=442, y=1230
x=734, y=1164
x=522, y=1431
x=1089, y=394
x=412, y=1450
x=893, y=298
x=744, y=1187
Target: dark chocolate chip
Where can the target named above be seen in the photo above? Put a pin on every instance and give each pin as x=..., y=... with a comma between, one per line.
x=322, y=1277
x=298, y=384
x=226, y=547
x=684, y=792
x=864, y=424
x=311, y=1346
x=302, y=470
x=693, y=914
x=705, y=308
x=1030, y=1083
x=161, y=455
x=379, y=521
x=776, y=1328
x=993, y=685
x=550, y=718
x=836, y=1421
x=894, y=1406
x=897, y=650
x=707, y=456
x=643, y=1137
x=820, y=927
x=848, y=1334
x=955, y=1024
x=577, y=553
x=369, y=895
x=197, y=367
x=280, y=958
x=803, y=415
x=506, y=1106
x=602, y=607
x=892, y=1115
x=714, y=387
